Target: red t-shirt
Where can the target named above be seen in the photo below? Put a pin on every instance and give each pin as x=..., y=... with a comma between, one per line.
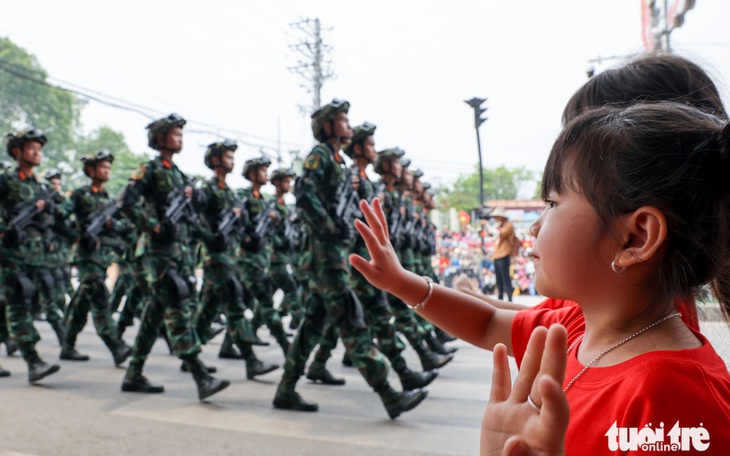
x=665, y=397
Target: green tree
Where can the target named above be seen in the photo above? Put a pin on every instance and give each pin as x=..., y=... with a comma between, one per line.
x=125, y=162
x=499, y=183
x=27, y=99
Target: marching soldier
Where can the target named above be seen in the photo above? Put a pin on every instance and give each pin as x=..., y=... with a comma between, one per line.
x=375, y=303
x=170, y=201
x=222, y=216
x=26, y=207
x=255, y=257
x=99, y=246
x=317, y=191
x=63, y=236
x=281, y=258
x=388, y=165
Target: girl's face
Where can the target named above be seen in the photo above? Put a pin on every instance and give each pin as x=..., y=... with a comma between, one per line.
x=572, y=252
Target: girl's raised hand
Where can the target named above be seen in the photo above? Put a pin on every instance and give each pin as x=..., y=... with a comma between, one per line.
x=511, y=425
x=384, y=270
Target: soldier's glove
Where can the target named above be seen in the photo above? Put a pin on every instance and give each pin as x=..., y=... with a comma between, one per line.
x=13, y=237
x=168, y=232
x=219, y=243
x=345, y=230
x=88, y=243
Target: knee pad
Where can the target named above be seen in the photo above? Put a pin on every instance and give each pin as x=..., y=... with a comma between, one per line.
x=23, y=287
x=353, y=311
x=47, y=282
x=234, y=286
x=179, y=288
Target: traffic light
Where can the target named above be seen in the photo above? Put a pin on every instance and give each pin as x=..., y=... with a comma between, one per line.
x=478, y=110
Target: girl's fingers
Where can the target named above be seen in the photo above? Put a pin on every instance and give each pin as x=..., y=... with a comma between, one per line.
x=555, y=412
x=530, y=366
x=363, y=265
x=501, y=378
x=374, y=222
x=378, y=208
x=372, y=243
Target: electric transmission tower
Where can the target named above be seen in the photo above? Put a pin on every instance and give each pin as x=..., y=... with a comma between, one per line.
x=312, y=64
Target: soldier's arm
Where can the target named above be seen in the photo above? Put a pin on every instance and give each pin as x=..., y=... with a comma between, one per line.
x=314, y=210
x=139, y=186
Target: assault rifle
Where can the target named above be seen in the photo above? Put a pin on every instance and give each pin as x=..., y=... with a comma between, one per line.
x=396, y=223
x=229, y=221
x=263, y=222
x=347, y=200
x=179, y=205
x=98, y=219
x=26, y=212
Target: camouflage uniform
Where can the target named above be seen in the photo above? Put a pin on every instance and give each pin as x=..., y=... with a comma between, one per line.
x=168, y=267
x=222, y=288
x=23, y=254
x=281, y=259
x=254, y=268
x=94, y=256
x=405, y=318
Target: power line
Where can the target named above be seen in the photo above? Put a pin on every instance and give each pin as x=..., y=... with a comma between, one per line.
x=313, y=66
x=38, y=77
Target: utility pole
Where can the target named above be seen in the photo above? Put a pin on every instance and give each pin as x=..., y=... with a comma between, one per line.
x=476, y=103
x=659, y=21
x=313, y=65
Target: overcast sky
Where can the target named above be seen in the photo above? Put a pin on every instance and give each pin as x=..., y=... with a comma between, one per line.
x=405, y=66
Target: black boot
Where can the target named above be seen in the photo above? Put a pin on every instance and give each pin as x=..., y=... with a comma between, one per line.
x=69, y=353
x=435, y=345
x=411, y=380
x=135, y=382
x=10, y=346
x=208, y=369
x=257, y=367
x=346, y=361
x=318, y=373
x=4, y=373
x=59, y=329
x=37, y=369
x=207, y=385
x=396, y=403
x=121, y=353
x=443, y=336
x=228, y=350
x=288, y=399
x=429, y=359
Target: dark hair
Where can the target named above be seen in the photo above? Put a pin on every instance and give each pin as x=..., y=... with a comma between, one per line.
x=667, y=155
x=652, y=77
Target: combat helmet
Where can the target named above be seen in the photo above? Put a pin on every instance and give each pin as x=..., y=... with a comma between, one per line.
x=254, y=163
x=216, y=149
x=385, y=156
x=52, y=173
x=19, y=138
x=327, y=114
x=360, y=134
x=162, y=126
x=282, y=172
x=417, y=173
x=93, y=158
x=405, y=162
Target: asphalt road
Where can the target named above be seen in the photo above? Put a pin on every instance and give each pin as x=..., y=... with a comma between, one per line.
x=81, y=410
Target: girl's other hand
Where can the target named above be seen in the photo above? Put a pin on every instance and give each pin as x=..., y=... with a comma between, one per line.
x=384, y=270
x=511, y=425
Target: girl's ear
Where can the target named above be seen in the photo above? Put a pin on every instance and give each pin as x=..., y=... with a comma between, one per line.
x=643, y=233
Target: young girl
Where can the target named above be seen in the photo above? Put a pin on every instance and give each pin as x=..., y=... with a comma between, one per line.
x=636, y=220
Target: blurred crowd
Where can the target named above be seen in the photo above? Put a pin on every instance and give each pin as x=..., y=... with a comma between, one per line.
x=460, y=253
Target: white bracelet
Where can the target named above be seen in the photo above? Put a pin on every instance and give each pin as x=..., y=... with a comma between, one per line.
x=422, y=304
